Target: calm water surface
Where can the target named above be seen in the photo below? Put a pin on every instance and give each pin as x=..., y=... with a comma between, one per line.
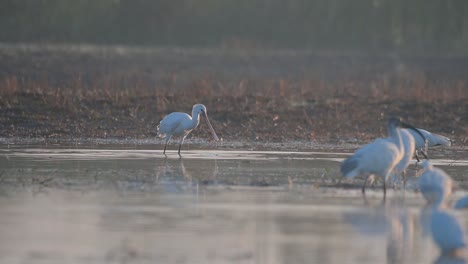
x=137, y=206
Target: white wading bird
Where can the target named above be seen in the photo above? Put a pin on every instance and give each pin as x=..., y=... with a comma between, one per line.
x=432, y=140
x=447, y=233
x=434, y=184
x=181, y=124
x=378, y=157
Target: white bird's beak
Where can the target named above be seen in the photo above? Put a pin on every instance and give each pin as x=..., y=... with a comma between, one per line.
x=211, y=128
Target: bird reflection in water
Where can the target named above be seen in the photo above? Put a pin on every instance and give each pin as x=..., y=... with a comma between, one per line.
x=177, y=175
x=390, y=219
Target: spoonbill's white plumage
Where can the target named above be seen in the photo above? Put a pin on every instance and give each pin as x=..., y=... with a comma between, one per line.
x=446, y=231
x=378, y=157
x=434, y=184
x=181, y=124
x=432, y=140
x=461, y=203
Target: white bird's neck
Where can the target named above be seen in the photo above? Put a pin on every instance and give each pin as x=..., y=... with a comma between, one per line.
x=439, y=203
x=195, y=118
x=394, y=133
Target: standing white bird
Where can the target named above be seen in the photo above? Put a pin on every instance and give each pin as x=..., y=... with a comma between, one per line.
x=432, y=140
x=181, y=124
x=447, y=233
x=378, y=157
x=434, y=184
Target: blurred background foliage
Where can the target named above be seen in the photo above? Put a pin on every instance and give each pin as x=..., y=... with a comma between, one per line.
x=403, y=26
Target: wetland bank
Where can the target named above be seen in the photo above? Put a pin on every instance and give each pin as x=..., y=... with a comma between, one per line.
x=60, y=92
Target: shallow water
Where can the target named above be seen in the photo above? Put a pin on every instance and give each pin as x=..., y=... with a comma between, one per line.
x=137, y=206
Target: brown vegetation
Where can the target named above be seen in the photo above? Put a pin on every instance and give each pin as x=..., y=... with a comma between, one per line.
x=82, y=92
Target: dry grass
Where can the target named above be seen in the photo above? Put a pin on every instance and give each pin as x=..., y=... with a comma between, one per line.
x=285, y=96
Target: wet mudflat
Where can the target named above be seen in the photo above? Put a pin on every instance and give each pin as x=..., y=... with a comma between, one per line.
x=127, y=205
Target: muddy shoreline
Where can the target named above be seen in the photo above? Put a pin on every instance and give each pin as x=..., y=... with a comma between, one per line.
x=60, y=95
x=344, y=122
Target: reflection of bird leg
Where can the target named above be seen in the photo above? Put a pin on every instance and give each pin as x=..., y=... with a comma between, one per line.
x=184, y=171
x=366, y=202
x=384, y=190
x=156, y=170
x=162, y=169
x=167, y=168
x=394, y=180
x=383, y=202
x=403, y=175
x=165, y=145
x=216, y=170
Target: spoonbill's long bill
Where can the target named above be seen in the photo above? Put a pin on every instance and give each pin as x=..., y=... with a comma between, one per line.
x=432, y=140
x=181, y=124
x=378, y=157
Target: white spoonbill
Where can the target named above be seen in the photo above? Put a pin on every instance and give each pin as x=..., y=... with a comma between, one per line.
x=181, y=124
x=432, y=140
x=378, y=157
x=434, y=184
x=447, y=232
